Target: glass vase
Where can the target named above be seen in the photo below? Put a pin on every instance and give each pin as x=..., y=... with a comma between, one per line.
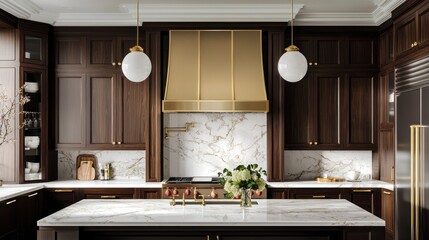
x=246, y=198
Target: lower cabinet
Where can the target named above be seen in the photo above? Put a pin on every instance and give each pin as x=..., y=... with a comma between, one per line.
x=9, y=223
x=108, y=193
x=315, y=193
x=368, y=199
x=388, y=212
x=57, y=199
x=149, y=193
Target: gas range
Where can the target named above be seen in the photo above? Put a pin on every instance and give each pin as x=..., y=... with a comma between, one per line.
x=195, y=187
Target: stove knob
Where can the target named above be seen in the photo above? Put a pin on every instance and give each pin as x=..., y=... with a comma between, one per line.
x=213, y=194
x=167, y=192
x=187, y=192
x=175, y=192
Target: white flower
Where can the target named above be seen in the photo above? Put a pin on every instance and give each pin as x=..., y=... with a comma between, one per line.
x=255, y=177
x=261, y=184
x=242, y=175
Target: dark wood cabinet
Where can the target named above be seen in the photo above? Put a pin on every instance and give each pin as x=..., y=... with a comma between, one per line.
x=34, y=43
x=315, y=193
x=321, y=52
x=9, y=227
x=312, y=112
x=368, y=199
x=108, y=193
x=149, y=193
x=57, y=199
x=388, y=212
x=29, y=213
x=111, y=112
x=361, y=52
x=411, y=30
x=386, y=155
x=359, y=116
x=277, y=193
x=386, y=47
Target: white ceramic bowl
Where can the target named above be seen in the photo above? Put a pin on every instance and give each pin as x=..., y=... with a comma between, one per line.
x=27, y=170
x=33, y=166
x=32, y=141
x=31, y=87
x=352, y=175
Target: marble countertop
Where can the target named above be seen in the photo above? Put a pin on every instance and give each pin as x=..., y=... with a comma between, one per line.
x=135, y=212
x=102, y=184
x=8, y=191
x=315, y=184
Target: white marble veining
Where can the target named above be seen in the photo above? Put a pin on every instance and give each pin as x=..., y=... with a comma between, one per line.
x=132, y=183
x=315, y=184
x=308, y=165
x=217, y=141
x=125, y=164
x=308, y=212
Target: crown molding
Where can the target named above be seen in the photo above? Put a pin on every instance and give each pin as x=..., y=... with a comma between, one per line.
x=126, y=14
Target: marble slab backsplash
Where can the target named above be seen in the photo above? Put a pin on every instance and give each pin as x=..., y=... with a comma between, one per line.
x=216, y=141
x=124, y=164
x=308, y=165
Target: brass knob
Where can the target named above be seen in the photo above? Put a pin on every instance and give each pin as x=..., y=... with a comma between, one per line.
x=310, y=63
x=217, y=237
x=315, y=143
x=412, y=44
x=113, y=143
x=113, y=64
x=315, y=63
x=119, y=143
x=311, y=143
x=119, y=63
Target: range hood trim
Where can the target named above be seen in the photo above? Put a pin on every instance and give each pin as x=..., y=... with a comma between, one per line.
x=195, y=103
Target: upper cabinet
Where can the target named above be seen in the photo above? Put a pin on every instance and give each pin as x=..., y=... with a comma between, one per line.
x=411, y=30
x=321, y=52
x=97, y=107
x=34, y=43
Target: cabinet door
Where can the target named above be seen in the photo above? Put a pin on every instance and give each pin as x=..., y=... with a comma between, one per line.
x=101, y=110
x=423, y=25
x=314, y=194
x=57, y=199
x=386, y=47
x=387, y=99
x=388, y=212
x=361, y=52
x=405, y=34
x=133, y=112
x=8, y=213
x=297, y=114
x=101, y=52
x=367, y=199
x=70, y=52
x=30, y=213
x=326, y=111
x=150, y=193
x=387, y=155
x=34, y=47
x=359, y=117
x=71, y=100
x=278, y=193
x=327, y=52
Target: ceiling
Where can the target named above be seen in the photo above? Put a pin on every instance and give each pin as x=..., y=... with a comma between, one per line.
x=123, y=12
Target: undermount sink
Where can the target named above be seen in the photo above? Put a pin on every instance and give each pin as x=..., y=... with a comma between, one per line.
x=211, y=202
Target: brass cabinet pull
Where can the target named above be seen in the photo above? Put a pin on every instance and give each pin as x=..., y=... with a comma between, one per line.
x=119, y=143
x=119, y=63
x=208, y=237
x=412, y=44
x=315, y=143
x=311, y=143
x=362, y=190
x=63, y=190
x=113, y=64
x=10, y=202
x=319, y=196
x=310, y=63
x=107, y=197
x=315, y=64
x=392, y=173
x=217, y=237
x=113, y=143
x=387, y=193
x=32, y=195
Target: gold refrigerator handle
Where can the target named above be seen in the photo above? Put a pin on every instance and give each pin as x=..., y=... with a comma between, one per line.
x=416, y=135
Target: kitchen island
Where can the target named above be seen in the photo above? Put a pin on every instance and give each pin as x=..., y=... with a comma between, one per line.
x=318, y=219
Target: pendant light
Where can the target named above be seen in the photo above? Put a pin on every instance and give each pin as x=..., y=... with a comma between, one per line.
x=136, y=65
x=292, y=64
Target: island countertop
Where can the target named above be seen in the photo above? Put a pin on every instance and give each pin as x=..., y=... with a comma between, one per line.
x=268, y=212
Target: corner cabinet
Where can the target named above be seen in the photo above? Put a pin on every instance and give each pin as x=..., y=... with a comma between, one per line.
x=97, y=107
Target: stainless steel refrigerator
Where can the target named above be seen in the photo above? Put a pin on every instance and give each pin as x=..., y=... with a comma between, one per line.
x=412, y=164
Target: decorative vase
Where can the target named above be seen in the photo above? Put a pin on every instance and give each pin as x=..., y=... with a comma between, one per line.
x=246, y=198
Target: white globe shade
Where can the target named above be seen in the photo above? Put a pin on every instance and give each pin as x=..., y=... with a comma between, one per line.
x=292, y=66
x=136, y=66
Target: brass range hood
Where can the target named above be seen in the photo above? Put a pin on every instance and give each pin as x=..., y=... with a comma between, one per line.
x=215, y=71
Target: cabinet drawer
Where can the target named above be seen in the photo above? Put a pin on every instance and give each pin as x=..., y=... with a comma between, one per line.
x=111, y=193
x=315, y=194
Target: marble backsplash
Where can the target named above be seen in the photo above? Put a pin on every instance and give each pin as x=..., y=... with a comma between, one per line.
x=308, y=165
x=216, y=141
x=124, y=164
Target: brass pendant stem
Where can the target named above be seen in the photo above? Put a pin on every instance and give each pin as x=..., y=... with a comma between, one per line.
x=138, y=16
x=291, y=24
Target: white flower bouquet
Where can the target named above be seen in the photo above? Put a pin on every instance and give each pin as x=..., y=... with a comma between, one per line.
x=242, y=178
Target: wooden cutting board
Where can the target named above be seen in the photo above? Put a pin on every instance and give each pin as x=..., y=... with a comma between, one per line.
x=86, y=171
x=85, y=167
x=330, y=179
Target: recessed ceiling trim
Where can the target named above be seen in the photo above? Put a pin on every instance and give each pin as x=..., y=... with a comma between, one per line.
x=335, y=19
